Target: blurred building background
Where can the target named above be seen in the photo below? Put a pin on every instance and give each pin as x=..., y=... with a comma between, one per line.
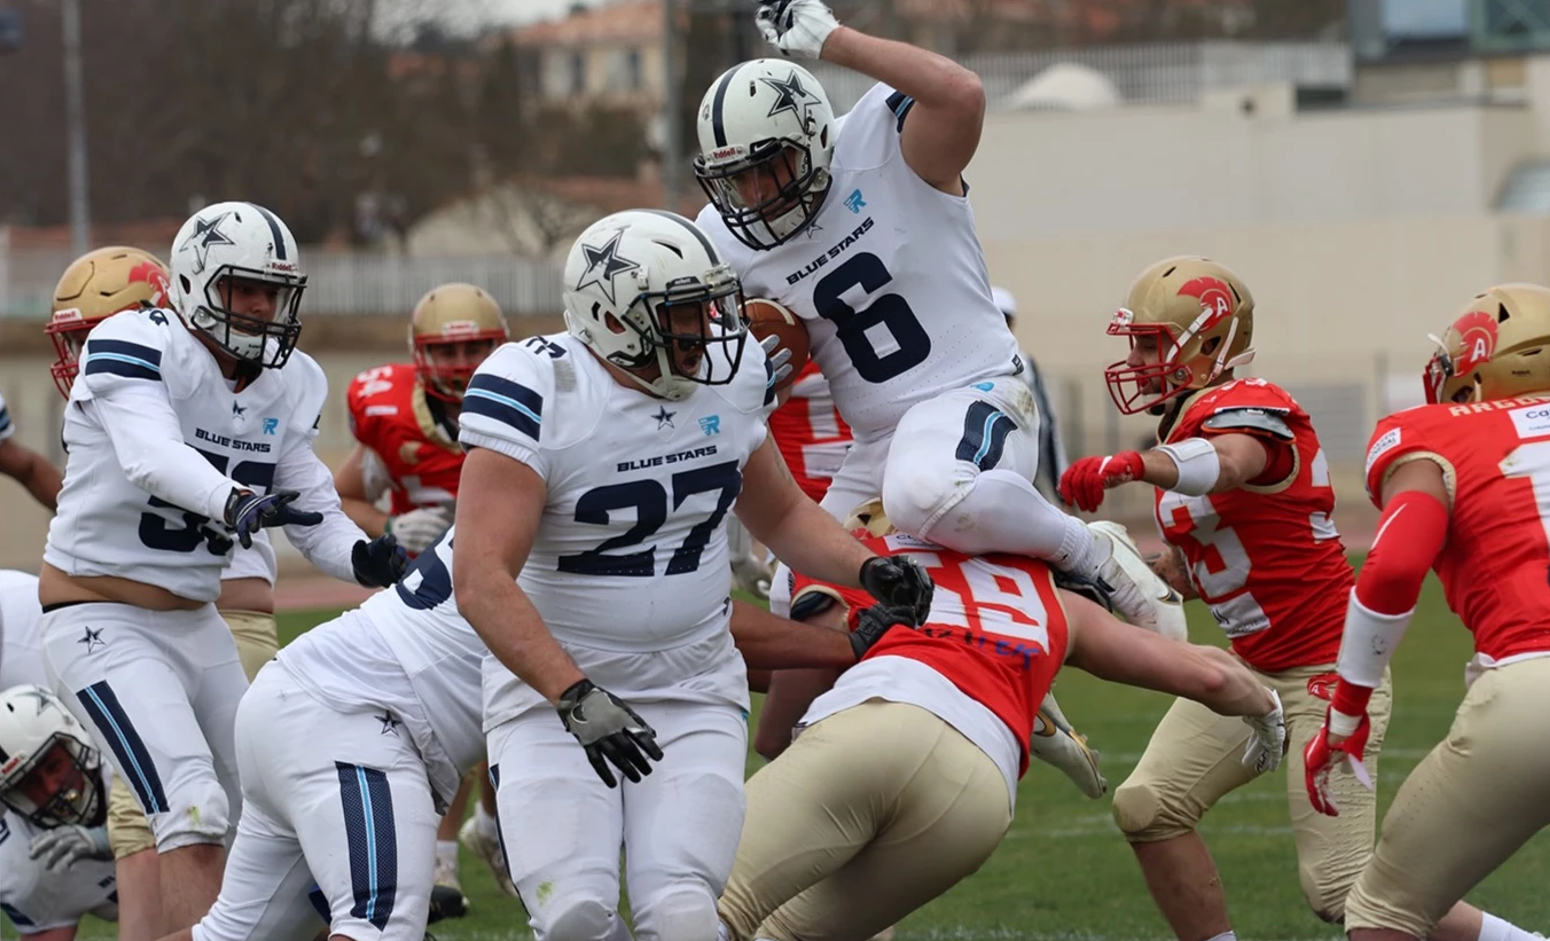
x=1365, y=165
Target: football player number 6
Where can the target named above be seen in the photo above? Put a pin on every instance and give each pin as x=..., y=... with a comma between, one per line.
x=857, y=330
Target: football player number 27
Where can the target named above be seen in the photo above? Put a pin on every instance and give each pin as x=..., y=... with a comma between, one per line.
x=883, y=340
x=649, y=499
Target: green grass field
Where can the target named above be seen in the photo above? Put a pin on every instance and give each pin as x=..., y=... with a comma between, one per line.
x=1065, y=873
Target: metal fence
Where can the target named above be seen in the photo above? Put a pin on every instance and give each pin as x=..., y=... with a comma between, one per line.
x=337, y=282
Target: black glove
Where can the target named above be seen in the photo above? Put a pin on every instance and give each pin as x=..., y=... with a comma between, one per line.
x=379, y=563
x=1093, y=588
x=898, y=582
x=247, y=513
x=874, y=622
x=607, y=728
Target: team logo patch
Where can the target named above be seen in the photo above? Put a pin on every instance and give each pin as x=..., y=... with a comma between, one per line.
x=854, y=202
x=206, y=233
x=1532, y=422
x=1323, y=686
x=711, y=425
x=271, y=425
x=664, y=418
x=1216, y=299
x=147, y=273
x=1477, y=334
x=603, y=264
x=1385, y=443
x=92, y=639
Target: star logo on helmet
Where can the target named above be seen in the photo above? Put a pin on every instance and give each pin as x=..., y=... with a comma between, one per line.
x=790, y=93
x=603, y=264
x=206, y=233
x=42, y=698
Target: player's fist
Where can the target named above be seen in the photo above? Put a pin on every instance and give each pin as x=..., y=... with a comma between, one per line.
x=796, y=28
x=872, y=623
x=1267, y=738
x=1341, y=740
x=59, y=847
x=247, y=513
x=608, y=729
x=1083, y=483
x=418, y=528
x=899, y=582
x=379, y=563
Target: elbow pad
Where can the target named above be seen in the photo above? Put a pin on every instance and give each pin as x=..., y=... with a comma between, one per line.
x=1198, y=463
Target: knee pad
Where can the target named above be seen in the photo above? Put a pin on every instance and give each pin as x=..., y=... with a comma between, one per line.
x=577, y=918
x=916, y=497
x=1326, y=898
x=1144, y=815
x=199, y=813
x=684, y=912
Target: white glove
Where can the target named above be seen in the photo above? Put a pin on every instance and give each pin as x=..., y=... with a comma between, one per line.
x=796, y=28
x=1267, y=738
x=780, y=359
x=417, y=529
x=750, y=571
x=60, y=847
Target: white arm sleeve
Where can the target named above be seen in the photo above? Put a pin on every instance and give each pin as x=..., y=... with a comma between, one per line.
x=148, y=441
x=328, y=544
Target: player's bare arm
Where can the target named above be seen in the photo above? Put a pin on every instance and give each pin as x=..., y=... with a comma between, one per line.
x=771, y=642
x=30, y=469
x=796, y=529
x=791, y=692
x=943, y=130
x=1170, y=567
x=358, y=504
x=500, y=502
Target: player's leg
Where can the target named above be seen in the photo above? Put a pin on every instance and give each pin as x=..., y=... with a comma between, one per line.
x=561, y=828
x=681, y=822
x=481, y=834
x=447, y=899
x=264, y=890
x=136, y=870
x=257, y=638
x=1194, y=757
x=122, y=672
x=1331, y=851
x=1467, y=807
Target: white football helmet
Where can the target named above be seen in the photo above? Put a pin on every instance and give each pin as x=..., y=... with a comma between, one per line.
x=766, y=140
x=247, y=242
x=623, y=274
x=49, y=771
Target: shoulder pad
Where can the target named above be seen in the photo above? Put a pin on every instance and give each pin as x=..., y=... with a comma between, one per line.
x=307, y=388
x=1269, y=420
x=507, y=395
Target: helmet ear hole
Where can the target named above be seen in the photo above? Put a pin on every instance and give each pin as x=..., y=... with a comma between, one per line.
x=1501, y=313
x=188, y=287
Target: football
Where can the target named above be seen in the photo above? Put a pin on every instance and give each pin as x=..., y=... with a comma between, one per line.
x=767, y=318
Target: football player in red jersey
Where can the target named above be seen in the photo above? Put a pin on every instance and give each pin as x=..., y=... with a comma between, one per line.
x=404, y=418
x=1464, y=486
x=1243, y=497
x=904, y=775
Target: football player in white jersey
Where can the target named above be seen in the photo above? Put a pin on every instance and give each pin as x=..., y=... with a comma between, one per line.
x=55, y=865
x=861, y=225
x=93, y=288
x=21, y=651
x=188, y=430
x=591, y=556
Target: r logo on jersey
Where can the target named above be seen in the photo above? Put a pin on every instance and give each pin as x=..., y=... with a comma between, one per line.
x=854, y=202
x=271, y=425
x=711, y=424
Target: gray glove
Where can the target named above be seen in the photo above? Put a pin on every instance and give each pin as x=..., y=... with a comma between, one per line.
x=607, y=728
x=60, y=847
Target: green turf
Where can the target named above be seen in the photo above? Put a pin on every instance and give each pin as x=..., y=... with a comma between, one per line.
x=1064, y=872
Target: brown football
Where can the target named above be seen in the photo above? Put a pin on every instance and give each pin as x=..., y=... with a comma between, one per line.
x=769, y=318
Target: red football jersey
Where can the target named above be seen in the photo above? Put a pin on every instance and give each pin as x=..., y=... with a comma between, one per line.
x=1495, y=566
x=390, y=415
x=809, y=432
x=1265, y=557
x=997, y=630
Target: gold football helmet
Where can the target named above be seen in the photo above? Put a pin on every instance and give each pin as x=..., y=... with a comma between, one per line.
x=1499, y=347
x=869, y=516
x=1202, y=317
x=446, y=318
x=96, y=286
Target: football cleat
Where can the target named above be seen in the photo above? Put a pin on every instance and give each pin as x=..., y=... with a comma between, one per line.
x=1055, y=743
x=487, y=848
x=447, y=899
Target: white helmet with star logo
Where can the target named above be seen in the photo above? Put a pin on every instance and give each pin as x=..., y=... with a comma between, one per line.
x=649, y=293
x=234, y=243
x=766, y=140
x=49, y=771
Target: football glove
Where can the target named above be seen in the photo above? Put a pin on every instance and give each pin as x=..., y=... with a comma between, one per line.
x=796, y=28
x=418, y=528
x=899, y=582
x=59, y=847
x=247, y=513
x=1321, y=757
x=1083, y=483
x=874, y=622
x=379, y=563
x=608, y=729
x=1267, y=738
x=780, y=358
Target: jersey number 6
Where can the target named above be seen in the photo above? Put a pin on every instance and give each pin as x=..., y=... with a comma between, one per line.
x=857, y=331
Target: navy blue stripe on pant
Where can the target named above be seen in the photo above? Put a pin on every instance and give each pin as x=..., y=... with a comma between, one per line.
x=985, y=428
x=500, y=833
x=107, y=714
x=368, y=824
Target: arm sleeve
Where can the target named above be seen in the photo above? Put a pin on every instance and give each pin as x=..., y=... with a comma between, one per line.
x=329, y=544
x=503, y=409
x=148, y=441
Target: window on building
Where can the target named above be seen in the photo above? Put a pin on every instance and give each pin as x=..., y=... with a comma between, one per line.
x=578, y=72
x=632, y=70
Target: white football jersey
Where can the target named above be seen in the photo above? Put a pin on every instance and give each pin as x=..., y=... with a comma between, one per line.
x=257, y=562
x=37, y=900
x=105, y=524
x=21, y=650
x=631, y=552
x=889, y=277
x=418, y=662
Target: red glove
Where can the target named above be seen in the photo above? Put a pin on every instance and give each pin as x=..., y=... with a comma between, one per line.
x=1322, y=757
x=1083, y=483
